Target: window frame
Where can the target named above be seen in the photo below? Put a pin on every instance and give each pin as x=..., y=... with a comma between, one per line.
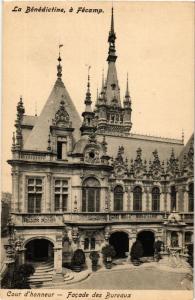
x=34, y=194
x=155, y=199
x=118, y=198
x=135, y=201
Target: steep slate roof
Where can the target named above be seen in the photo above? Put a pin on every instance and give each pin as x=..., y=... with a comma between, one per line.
x=29, y=120
x=38, y=138
x=132, y=143
x=186, y=147
x=146, y=143
x=112, y=79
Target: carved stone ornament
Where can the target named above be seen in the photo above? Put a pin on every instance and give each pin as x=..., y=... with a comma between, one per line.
x=173, y=165
x=120, y=164
x=138, y=167
x=92, y=156
x=62, y=118
x=155, y=167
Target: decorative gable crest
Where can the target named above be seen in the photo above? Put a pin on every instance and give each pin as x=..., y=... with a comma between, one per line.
x=187, y=164
x=155, y=169
x=120, y=164
x=138, y=167
x=173, y=165
x=62, y=118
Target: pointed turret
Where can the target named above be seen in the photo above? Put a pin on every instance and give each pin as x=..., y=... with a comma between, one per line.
x=127, y=108
x=127, y=100
x=88, y=115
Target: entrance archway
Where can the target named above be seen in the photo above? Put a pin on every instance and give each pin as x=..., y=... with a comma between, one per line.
x=147, y=240
x=39, y=250
x=120, y=242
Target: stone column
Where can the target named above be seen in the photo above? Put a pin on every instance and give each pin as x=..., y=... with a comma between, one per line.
x=22, y=256
x=185, y=201
x=15, y=196
x=125, y=199
x=48, y=204
x=129, y=199
x=132, y=239
x=162, y=202
x=149, y=201
x=144, y=199
x=168, y=239
x=168, y=202
x=180, y=238
x=58, y=260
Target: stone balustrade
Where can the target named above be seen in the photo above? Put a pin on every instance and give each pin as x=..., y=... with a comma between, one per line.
x=34, y=156
x=59, y=219
x=27, y=219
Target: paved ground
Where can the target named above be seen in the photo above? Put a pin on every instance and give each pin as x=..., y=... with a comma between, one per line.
x=149, y=278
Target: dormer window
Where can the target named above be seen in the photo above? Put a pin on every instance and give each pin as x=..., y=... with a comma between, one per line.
x=61, y=148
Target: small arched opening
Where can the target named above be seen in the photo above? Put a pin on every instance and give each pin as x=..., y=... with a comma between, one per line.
x=120, y=241
x=147, y=240
x=39, y=250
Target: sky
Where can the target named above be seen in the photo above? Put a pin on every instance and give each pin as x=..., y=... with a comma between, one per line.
x=155, y=45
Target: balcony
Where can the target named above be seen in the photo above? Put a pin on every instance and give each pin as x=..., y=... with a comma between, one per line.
x=187, y=217
x=59, y=219
x=114, y=217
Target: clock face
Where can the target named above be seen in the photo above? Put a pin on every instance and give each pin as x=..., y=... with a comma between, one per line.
x=92, y=156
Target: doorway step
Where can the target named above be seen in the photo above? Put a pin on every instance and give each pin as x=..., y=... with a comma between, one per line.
x=43, y=274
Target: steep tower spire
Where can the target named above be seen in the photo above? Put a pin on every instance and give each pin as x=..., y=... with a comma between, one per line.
x=127, y=100
x=127, y=108
x=88, y=115
x=111, y=40
x=111, y=115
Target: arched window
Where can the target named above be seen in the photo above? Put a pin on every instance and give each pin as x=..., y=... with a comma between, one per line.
x=137, y=199
x=155, y=199
x=191, y=197
x=188, y=237
x=118, y=198
x=91, y=195
x=173, y=198
x=86, y=244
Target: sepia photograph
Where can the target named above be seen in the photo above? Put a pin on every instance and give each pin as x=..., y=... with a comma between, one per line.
x=97, y=195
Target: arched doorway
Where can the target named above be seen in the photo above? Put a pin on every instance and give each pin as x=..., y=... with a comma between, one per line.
x=39, y=250
x=120, y=242
x=147, y=240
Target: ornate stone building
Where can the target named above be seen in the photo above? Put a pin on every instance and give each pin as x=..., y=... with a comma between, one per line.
x=83, y=183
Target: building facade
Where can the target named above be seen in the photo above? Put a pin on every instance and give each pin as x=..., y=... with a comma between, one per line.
x=84, y=182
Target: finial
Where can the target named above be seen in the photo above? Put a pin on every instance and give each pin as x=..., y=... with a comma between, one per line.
x=182, y=136
x=88, y=83
x=59, y=67
x=127, y=95
x=112, y=20
x=35, y=108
